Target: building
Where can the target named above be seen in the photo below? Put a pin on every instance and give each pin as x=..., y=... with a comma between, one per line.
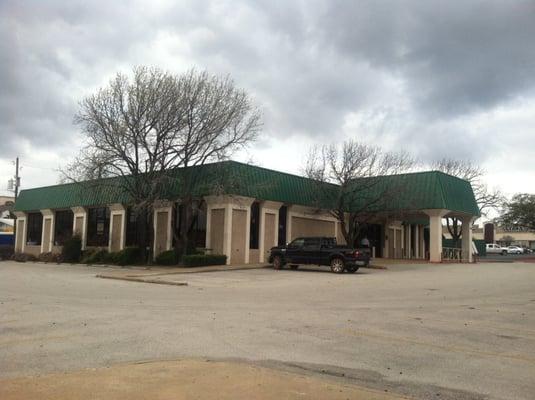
x=242, y=211
x=6, y=206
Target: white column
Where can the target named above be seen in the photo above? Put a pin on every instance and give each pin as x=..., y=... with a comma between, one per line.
x=227, y=239
x=386, y=240
x=160, y=207
x=47, y=215
x=408, y=230
x=80, y=212
x=422, y=241
x=117, y=209
x=417, y=241
x=466, y=238
x=248, y=234
x=271, y=207
x=435, y=234
x=20, y=234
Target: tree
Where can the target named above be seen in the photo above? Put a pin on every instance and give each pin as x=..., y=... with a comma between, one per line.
x=357, y=171
x=520, y=212
x=507, y=240
x=139, y=130
x=486, y=198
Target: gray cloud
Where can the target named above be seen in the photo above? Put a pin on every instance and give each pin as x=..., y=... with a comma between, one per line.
x=309, y=64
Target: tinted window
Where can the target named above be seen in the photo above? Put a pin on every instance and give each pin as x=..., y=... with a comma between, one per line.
x=312, y=242
x=63, y=226
x=34, y=228
x=98, y=226
x=298, y=242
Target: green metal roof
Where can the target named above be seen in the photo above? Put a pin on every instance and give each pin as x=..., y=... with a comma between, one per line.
x=417, y=191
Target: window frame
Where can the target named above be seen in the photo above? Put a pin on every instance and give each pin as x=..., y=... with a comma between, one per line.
x=63, y=236
x=33, y=221
x=254, y=226
x=102, y=215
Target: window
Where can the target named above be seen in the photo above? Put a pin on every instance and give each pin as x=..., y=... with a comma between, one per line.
x=283, y=211
x=134, y=222
x=312, y=242
x=131, y=227
x=254, y=225
x=299, y=242
x=34, y=229
x=98, y=226
x=197, y=228
x=63, y=226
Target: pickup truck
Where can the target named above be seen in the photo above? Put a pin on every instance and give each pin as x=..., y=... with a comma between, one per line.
x=319, y=251
x=493, y=248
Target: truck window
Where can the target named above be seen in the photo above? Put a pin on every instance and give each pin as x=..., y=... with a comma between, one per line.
x=328, y=242
x=297, y=242
x=312, y=242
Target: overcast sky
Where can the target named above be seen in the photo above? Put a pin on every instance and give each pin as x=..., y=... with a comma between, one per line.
x=436, y=78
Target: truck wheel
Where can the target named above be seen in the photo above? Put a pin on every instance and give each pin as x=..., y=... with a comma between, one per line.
x=337, y=265
x=294, y=266
x=277, y=262
x=504, y=253
x=352, y=270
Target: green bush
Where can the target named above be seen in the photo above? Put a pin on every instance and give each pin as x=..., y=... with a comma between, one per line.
x=198, y=260
x=94, y=256
x=50, y=257
x=129, y=256
x=168, y=257
x=23, y=257
x=72, y=249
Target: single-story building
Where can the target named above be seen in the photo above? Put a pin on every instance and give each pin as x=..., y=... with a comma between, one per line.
x=243, y=211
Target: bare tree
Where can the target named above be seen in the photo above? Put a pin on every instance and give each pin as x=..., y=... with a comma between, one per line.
x=140, y=130
x=486, y=198
x=351, y=181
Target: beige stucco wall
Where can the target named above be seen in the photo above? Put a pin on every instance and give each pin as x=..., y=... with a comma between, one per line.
x=269, y=234
x=47, y=225
x=161, y=232
x=78, y=226
x=217, y=230
x=239, y=235
x=254, y=256
x=32, y=249
x=340, y=239
x=116, y=232
x=20, y=235
x=311, y=227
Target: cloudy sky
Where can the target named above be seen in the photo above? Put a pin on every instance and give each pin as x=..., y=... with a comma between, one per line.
x=439, y=79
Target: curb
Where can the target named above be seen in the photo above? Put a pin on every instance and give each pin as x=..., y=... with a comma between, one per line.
x=119, y=278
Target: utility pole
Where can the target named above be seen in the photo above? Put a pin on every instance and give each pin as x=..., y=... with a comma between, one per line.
x=15, y=188
x=17, y=178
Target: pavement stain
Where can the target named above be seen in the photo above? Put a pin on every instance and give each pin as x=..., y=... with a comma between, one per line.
x=183, y=379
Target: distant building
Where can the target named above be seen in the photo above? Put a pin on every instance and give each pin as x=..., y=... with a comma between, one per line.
x=6, y=206
x=504, y=236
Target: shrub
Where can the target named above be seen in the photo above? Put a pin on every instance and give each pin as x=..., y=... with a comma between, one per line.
x=94, y=256
x=168, y=257
x=72, y=249
x=23, y=257
x=50, y=257
x=198, y=260
x=6, y=251
x=129, y=256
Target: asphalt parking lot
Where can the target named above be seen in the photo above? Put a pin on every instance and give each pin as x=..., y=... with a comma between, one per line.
x=424, y=331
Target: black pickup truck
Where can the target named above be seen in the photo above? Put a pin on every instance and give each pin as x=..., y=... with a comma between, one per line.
x=319, y=251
